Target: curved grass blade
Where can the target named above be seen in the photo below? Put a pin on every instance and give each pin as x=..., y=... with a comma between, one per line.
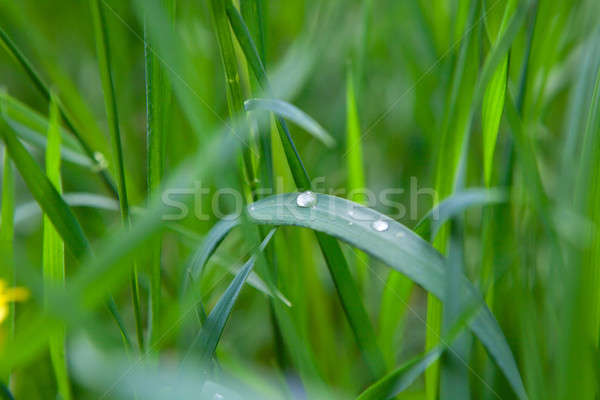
x=46, y=195
x=293, y=113
x=336, y=262
x=254, y=279
x=12, y=48
x=33, y=138
x=398, y=247
x=104, y=64
x=454, y=205
x=209, y=245
x=398, y=286
x=33, y=127
x=401, y=378
x=90, y=200
x=444, y=187
x=54, y=254
x=211, y=331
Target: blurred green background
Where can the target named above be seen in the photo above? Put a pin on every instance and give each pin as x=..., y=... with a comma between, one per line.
x=404, y=55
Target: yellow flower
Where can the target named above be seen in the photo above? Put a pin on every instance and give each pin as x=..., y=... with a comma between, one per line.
x=8, y=295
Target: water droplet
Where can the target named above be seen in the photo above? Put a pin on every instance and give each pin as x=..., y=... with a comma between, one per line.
x=101, y=162
x=218, y=396
x=380, y=225
x=400, y=234
x=306, y=199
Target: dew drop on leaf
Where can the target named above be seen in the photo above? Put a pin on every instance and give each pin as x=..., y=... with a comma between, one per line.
x=380, y=225
x=306, y=199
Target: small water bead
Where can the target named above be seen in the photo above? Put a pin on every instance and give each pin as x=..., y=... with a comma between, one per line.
x=100, y=162
x=400, y=234
x=380, y=225
x=306, y=199
x=218, y=396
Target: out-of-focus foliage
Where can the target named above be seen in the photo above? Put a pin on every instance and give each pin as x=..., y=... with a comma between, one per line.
x=488, y=109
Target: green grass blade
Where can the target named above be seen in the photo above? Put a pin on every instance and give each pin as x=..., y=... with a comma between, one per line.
x=110, y=101
x=354, y=165
x=92, y=284
x=12, y=48
x=395, y=300
x=104, y=66
x=338, y=267
x=253, y=12
x=33, y=127
x=501, y=48
x=491, y=113
x=54, y=253
x=354, y=149
x=7, y=236
x=51, y=202
x=211, y=332
x=396, y=246
x=46, y=195
x=32, y=209
x=455, y=132
x=493, y=100
x=250, y=52
x=248, y=46
x=403, y=376
x=254, y=15
x=232, y=78
x=400, y=378
x=294, y=114
x=158, y=106
x=210, y=243
x=34, y=139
